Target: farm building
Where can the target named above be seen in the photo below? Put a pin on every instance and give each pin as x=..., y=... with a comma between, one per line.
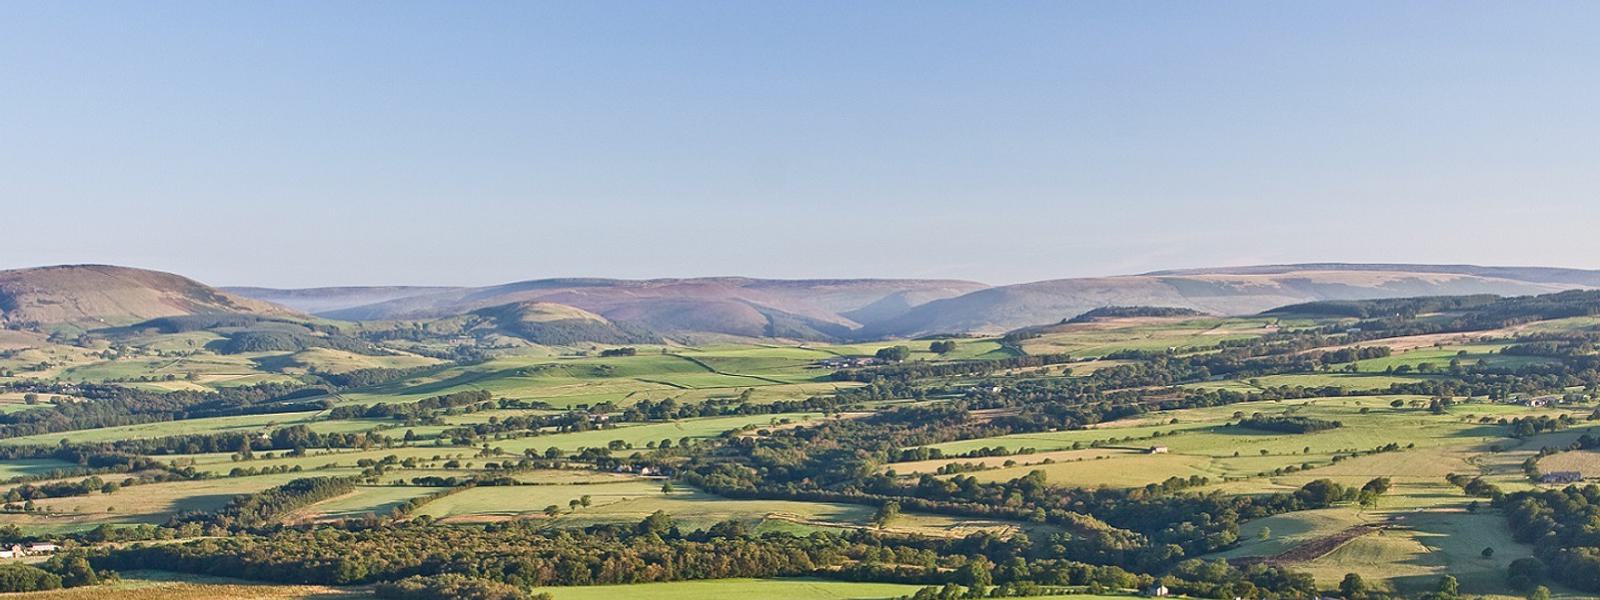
x=1561, y=477
x=1157, y=450
x=1535, y=402
x=846, y=362
x=1157, y=591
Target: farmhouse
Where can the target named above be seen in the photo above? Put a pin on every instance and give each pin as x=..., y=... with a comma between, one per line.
x=42, y=548
x=1157, y=591
x=1561, y=477
x=846, y=362
x=1157, y=450
x=1536, y=402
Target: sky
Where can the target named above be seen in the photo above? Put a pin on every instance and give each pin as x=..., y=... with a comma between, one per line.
x=309, y=143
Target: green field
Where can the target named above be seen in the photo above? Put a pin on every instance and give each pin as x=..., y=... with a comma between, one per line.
x=783, y=372
x=737, y=589
x=31, y=467
x=1441, y=357
x=760, y=589
x=367, y=499
x=148, y=503
x=1100, y=339
x=639, y=435
x=167, y=429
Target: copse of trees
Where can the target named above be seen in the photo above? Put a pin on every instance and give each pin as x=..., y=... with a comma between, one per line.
x=450, y=585
x=102, y=405
x=1559, y=523
x=1289, y=424
x=264, y=508
x=893, y=354
x=26, y=578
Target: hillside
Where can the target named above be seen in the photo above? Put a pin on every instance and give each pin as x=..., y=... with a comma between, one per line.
x=548, y=324
x=328, y=299
x=1238, y=291
x=107, y=295
x=811, y=309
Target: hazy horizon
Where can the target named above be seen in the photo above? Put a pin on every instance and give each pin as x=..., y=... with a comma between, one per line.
x=303, y=145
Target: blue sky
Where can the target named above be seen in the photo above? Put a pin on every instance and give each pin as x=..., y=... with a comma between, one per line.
x=322, y=143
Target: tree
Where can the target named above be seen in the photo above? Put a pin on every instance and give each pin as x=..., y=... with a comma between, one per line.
x=893, y=354
x=1539, y=593
x=886, y=514
x=1353, y=588
x=1378, y=485
x=24, y=578
x=1524, y=573
x=1449, y=587
x=75, y=571
x=658, y=522
x=942, y=347
x=975, y=575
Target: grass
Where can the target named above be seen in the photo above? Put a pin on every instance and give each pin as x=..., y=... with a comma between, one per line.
x=573, y=381
x=1100, y=339
x=1582, y=461
x=639, y=435
x=27, y=467
x=157, y=585
x=749, y=589
x=736, y=589
x=367, y=499
x=1200, y=443
x=629, y=499
x=166, y=429
x=1348, y=381
x=149, y=503
x=1440, y=358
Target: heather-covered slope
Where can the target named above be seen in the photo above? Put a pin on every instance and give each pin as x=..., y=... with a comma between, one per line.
x=106, y=295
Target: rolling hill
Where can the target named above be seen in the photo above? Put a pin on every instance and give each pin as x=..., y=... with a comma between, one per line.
x=329, y=299
x=101, y=295
x=546, y=324
x=1228, y=292
x=559, y=311
x=810, y=309
x=1222, y=291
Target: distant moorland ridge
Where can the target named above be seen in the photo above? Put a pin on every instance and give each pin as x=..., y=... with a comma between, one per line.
x=748, y=307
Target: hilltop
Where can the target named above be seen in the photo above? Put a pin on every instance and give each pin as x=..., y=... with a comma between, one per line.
x=810, y=309
x=108, y=295
x=1235, y=291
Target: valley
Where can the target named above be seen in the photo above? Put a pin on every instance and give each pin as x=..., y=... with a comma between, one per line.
x=1270, y=454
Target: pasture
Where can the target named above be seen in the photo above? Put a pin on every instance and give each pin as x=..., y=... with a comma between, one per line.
x=1097, y=339
x=736, y=589
x=244, y=423
x=147, y=503
x=642, y=434
x=568, y=381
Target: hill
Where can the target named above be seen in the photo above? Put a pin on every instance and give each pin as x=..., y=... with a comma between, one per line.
x=328, y=299
x=809, y=309
x=1226, y=291
x=97, y=295
x=547, y=324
